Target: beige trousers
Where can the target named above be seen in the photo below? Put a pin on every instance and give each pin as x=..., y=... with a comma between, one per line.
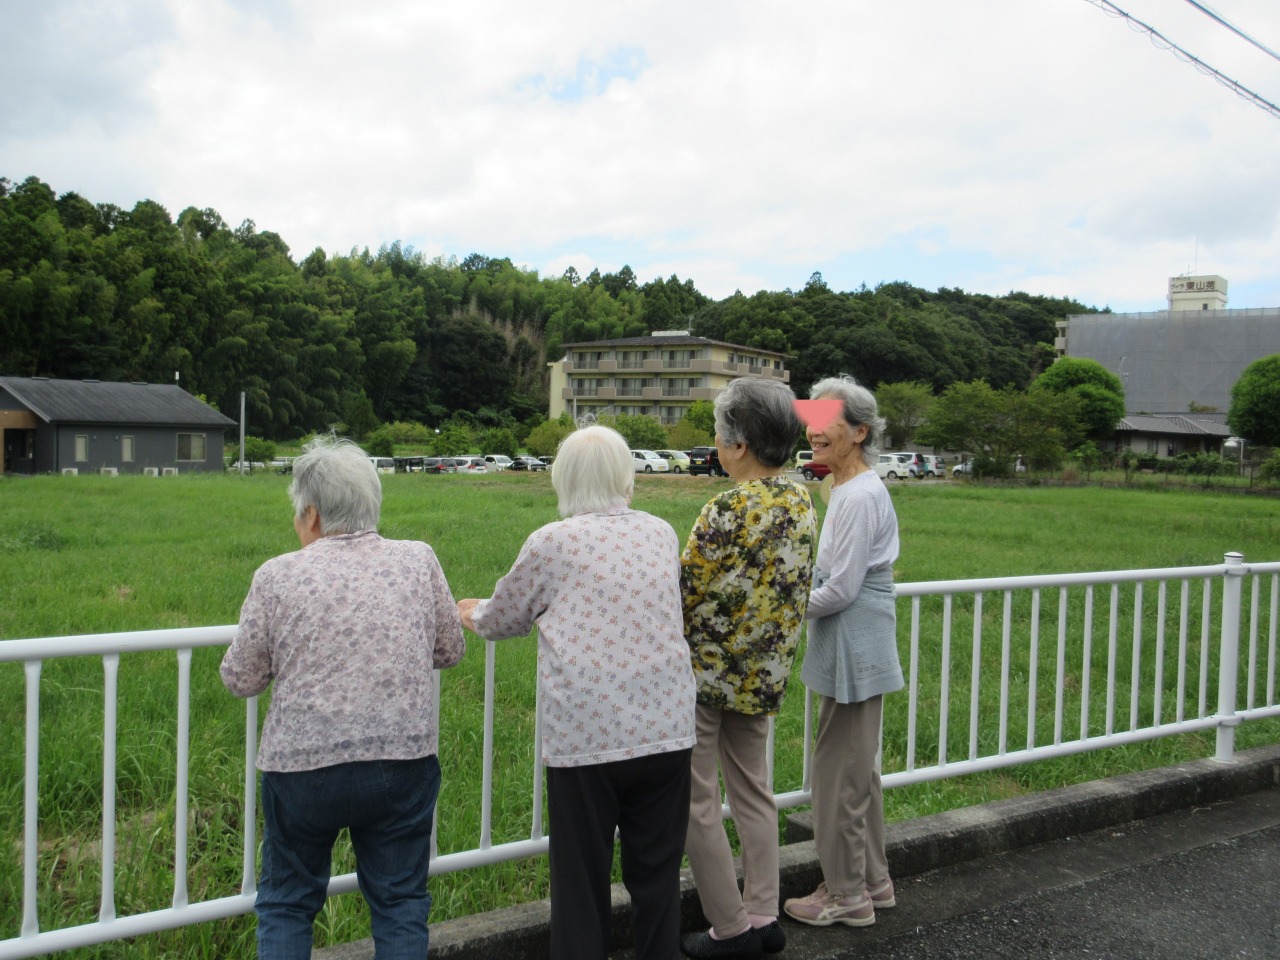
x=848, y=806
x=736, y=744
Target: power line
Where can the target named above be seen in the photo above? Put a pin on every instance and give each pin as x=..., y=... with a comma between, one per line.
x=1164, y=43
x=1234, y=29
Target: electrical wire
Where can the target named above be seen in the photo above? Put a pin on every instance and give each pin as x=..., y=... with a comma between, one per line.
x=1234, y=29
x=1164, y=43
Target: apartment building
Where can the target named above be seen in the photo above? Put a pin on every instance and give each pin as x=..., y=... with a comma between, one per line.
x=660, y=375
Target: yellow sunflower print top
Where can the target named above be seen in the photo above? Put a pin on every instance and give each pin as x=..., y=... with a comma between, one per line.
x=745, y=575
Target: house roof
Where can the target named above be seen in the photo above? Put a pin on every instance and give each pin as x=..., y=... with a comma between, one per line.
x=1173, y=424
x=92, y=401
x=670, y=340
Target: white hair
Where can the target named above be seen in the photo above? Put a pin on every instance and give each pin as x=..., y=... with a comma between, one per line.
x=593, y=471
x=336, y=477
x=859, y=407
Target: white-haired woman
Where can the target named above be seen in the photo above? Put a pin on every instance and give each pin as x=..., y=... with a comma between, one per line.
x=746, y=572
x=349, y=628
x=603, y=587
x=851, y=661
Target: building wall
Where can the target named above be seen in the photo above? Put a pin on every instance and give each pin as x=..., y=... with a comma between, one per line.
x=1169, y=360
x=105, y=447
x=661, y=380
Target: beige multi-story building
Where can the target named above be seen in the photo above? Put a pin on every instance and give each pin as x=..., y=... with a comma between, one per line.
x=660, y=375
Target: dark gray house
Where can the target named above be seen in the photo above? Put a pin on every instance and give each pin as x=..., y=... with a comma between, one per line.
x=57, y=426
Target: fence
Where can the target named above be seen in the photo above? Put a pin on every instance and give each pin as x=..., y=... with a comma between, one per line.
x=1200, y=655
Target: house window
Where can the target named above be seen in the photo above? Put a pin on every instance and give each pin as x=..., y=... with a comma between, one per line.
x=82, y=448
x=126, y=449
x=191, y=446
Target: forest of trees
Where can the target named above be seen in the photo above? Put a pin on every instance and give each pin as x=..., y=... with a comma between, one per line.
x=94, y=291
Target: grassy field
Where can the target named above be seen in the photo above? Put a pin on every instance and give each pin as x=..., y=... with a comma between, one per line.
x=92, y=554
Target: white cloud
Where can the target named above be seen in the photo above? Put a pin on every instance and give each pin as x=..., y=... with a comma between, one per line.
x=989, y=145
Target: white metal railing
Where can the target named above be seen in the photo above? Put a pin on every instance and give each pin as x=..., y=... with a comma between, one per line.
x=1174, y=633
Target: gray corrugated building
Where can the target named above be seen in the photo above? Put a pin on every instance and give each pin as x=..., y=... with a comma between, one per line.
x=87, y=426
x=1177, y=360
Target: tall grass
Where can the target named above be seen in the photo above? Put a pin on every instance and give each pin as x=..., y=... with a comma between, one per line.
x=93, y=554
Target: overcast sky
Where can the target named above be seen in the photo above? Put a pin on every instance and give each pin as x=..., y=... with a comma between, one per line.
x=990, y=145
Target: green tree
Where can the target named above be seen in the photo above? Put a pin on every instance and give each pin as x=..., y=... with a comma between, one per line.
x=544, y=439
x=1255, y=402
x=641, y=432
x=258, y=450
x=998, y=426
x=701, y=415
x=499, y=440
x=904, y=406
x=1098, y=391
x=685, y=436
x=451, y=440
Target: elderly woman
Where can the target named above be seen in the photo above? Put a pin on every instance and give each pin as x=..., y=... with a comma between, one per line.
x=851, y=661
x=350, y=628
x=603, y=587
x=746, y=573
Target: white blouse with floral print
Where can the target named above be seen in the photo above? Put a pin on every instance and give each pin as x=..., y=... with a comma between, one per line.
x=350, y=629
x=604, y=590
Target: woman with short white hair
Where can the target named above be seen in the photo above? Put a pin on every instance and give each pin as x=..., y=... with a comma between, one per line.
x=851, y=662
x=349, y=629
x=603, y=587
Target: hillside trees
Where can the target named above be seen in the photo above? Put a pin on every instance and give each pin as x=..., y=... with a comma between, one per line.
x=95, y=291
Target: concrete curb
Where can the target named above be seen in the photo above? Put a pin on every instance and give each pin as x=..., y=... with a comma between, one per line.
x=914, y=847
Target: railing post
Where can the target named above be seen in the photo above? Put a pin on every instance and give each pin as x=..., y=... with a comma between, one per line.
x=1229, y=655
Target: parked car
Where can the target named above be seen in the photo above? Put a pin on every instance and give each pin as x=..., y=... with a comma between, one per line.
x=470, y=465
x=527, y=463
x=914, y=461
x=705, y=460
x=934, y=466
x=808, y=469
x=963, y=469
x=647, y=461
x=498, y=461
x=548, y=461
x=893, y=466
x=383, y=464
x=677, y=459
x=437, y=465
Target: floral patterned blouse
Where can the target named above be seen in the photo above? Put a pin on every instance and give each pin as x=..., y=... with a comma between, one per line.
x=604, y=590
x=745, y=575
x=349, y=628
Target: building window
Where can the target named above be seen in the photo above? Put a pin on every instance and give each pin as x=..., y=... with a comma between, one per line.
x=678, y=358
x=191, y=446
x=587, y=361
x=126, y=449
x=82, y=448
x=585, y=388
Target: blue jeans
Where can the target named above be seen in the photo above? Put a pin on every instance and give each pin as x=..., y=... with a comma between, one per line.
x=386, y=806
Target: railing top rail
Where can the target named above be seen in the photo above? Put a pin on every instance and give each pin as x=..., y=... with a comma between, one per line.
x=1092, y=578
x=141, y=641
x=99, y=644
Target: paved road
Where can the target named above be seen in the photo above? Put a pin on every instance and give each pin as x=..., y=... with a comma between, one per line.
x=1202, y=883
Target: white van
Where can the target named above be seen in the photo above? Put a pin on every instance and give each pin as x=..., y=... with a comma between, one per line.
x=383, y=464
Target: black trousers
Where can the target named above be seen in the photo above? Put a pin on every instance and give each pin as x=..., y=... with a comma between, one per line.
x=647, y=800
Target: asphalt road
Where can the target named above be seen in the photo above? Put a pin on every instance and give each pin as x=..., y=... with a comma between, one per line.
x=1201, y=883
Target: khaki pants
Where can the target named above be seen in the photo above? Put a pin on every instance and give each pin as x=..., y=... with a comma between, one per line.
x=848, y=806
x=736, y=744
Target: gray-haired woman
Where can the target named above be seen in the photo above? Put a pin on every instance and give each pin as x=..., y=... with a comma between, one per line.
x=746, y=573
x=349, y=628
x=603, y=586
x=851, y=661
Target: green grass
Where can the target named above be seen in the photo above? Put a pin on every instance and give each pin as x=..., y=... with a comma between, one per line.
x=92, y=554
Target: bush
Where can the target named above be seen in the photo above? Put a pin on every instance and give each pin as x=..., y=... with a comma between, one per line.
x=1270, y=469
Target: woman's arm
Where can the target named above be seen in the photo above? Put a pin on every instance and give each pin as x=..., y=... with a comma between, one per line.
x=246, y=667
x=845, y=554
x=519, y=598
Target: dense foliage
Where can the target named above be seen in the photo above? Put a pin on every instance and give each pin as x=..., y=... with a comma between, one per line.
x=93, y=291
x=1255, y=402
